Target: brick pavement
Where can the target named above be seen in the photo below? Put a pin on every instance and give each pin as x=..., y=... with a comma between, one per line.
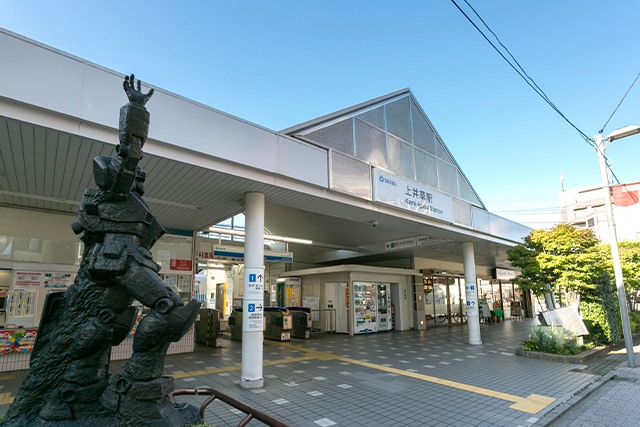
x=613, y=401
x=411, y=378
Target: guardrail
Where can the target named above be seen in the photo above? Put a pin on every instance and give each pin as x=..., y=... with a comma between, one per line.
x=252, y=413
x=323, y=321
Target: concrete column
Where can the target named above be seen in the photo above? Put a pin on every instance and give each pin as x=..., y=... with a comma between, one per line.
x=253, y=292
x=470, y=285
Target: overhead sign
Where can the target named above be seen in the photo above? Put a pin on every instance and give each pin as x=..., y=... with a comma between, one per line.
x=401, y=193
x=396, y=245
x=236, y=253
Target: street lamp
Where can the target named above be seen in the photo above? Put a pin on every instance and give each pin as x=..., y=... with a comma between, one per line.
x=615, y=253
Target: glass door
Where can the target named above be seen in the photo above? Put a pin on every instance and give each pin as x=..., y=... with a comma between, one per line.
x=455, y=301
x=442, y=309
x=429, y=301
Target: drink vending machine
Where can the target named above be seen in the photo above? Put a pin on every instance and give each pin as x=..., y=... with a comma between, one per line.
x=364, y=306
x=383, y=296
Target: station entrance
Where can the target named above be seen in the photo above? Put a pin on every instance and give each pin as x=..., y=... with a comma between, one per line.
x=444, y=301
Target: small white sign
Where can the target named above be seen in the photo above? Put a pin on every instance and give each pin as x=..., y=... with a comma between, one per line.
x=393, y=190
x=428, y=240
x=472, y=299
x=395, y=245
x=252, y=315
x=253, y=282
x=504, y=274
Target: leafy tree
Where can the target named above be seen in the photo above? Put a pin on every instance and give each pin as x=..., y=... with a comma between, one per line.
x=563, y=256
x=630, y=263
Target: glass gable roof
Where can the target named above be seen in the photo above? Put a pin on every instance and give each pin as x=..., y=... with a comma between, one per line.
x=394, y=134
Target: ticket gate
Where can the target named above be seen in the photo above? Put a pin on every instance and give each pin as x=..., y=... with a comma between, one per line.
x=300, y=322
x=235, y=324
x=278, y=323
x=207, y=328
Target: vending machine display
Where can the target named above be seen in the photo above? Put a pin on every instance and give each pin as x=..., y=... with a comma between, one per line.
x=364, y=306
x=383, y=295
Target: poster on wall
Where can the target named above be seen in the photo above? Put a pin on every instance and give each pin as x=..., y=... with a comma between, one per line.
x=171, y=280
x=314, y=304
x=24, y=279
x=184, y=283
x=20, y=340
x=23, y=302
x=57, y=280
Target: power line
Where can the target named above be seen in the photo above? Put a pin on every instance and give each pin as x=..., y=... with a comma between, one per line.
x=520, y=200
x=614, y=111
x=527, y=79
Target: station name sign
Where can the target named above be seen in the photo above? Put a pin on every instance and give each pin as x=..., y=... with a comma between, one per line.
x=401, y=193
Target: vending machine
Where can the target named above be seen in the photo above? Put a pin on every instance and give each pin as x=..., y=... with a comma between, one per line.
x=383, y=296
x=364, y=307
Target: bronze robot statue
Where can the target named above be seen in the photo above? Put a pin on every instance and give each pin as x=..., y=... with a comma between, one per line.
x=69, y=382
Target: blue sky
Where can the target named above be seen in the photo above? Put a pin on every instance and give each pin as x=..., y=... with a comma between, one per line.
x=279, y=63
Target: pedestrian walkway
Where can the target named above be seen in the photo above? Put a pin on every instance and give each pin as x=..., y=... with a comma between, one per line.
x=411, y=378
x=612, y=401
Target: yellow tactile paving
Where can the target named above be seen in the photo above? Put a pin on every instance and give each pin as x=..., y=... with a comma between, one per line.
x=531, y=404
x=5, y=398
x=237, y=367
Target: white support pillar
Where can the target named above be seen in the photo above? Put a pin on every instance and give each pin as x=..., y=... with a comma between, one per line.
x=471, y=285
x=253, y=292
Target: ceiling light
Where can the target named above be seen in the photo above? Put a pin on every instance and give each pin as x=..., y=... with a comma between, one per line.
x=220, y=230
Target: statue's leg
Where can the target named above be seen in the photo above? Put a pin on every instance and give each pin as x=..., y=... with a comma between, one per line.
x=141, y=391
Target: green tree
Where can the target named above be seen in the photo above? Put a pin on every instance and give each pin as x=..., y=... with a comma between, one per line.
x=630, y=264
x=563, y=256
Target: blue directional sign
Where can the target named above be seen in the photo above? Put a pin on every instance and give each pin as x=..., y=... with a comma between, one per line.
x=252, y=308
x=252, y=277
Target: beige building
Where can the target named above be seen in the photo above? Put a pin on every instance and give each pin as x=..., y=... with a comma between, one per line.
x=584, y=207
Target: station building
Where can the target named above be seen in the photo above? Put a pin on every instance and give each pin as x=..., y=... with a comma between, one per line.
x=364, y=199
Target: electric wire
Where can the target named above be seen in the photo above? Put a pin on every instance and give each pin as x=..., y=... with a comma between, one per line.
x=614, y=111
x=527, y=79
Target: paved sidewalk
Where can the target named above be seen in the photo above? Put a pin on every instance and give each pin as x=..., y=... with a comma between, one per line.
x=612, y=401
x=411, y=378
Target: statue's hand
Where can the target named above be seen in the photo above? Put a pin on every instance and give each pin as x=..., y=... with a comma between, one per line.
x=135, y=95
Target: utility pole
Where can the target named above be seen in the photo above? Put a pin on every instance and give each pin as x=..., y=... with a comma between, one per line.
x=615, y=253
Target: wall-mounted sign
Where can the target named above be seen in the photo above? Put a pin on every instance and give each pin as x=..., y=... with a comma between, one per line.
x=428, y=240
x=401, y=193
x=180, y=264
x=504, y=274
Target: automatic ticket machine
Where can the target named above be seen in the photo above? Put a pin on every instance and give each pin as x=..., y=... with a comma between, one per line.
x=208, y=328
x=278, y=323
x=300, y=322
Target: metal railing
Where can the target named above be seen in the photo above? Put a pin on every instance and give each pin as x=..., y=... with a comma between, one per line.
x=252, y=413
x=325, y=321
